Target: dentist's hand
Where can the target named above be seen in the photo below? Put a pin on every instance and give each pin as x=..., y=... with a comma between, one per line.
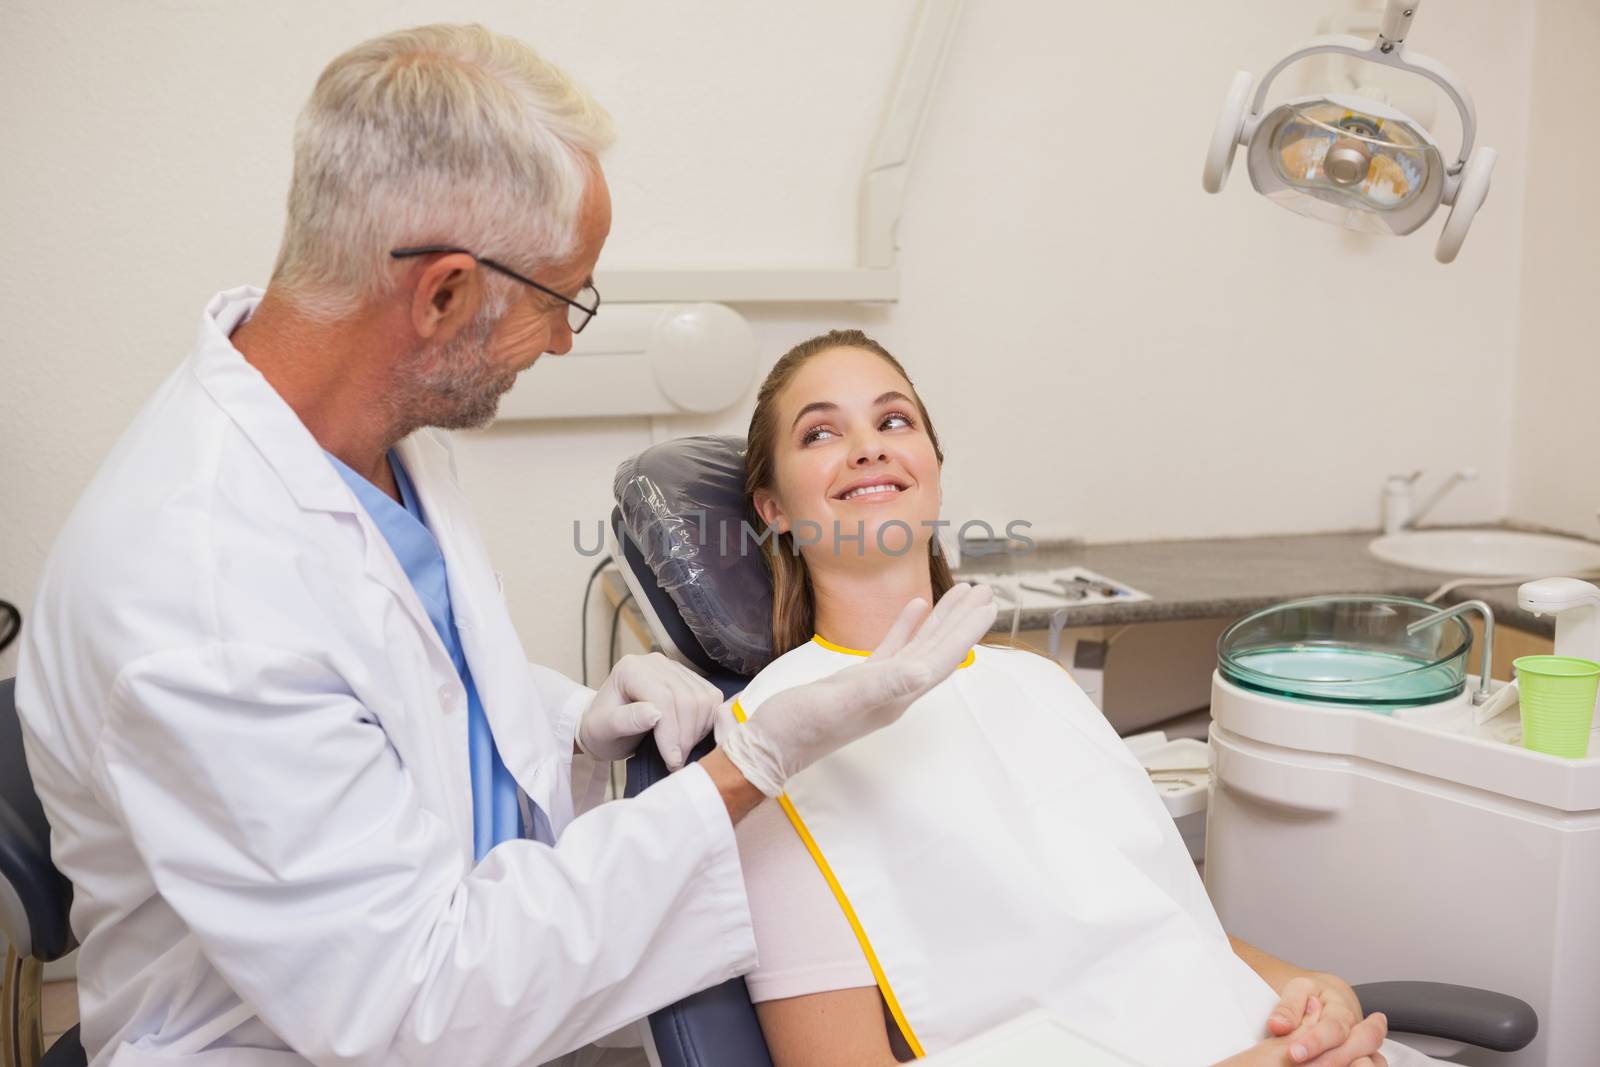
x=799, y=726
x=645, y=694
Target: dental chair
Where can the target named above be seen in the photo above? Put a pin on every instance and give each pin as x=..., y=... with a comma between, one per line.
x=668, y=499
x=677, y=543
x=34, y=902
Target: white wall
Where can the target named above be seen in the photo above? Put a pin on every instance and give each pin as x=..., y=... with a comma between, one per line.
x=1107, y=351
x=1556, y=443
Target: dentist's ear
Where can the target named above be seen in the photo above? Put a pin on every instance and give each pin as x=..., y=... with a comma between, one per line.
x=771, y=514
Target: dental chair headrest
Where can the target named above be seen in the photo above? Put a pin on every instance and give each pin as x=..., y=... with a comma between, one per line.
x=682, y=507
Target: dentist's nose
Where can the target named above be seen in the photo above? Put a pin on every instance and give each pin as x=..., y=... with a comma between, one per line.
x=560, y=339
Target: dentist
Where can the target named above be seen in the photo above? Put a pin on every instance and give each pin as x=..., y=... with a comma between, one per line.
x=315, y=804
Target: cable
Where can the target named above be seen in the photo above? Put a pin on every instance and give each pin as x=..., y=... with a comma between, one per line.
x=583, y=617
x=616, y=616
x=10, y=624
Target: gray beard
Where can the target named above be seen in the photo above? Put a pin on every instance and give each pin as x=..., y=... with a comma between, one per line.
x=454, y=386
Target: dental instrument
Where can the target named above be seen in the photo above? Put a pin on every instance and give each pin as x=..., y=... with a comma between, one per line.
x=1351, y=160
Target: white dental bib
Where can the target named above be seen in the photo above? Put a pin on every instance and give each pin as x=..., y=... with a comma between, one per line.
x=999, y=849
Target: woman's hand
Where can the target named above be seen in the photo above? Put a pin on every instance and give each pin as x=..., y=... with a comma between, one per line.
x=1274, y=1052
x=1319, y=1017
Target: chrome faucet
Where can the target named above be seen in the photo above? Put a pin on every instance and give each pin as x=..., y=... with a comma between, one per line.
x=1486, y=658
x=1399, y=513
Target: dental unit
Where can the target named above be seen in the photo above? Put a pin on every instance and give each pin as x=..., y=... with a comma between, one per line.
x=1356, y=764
x=1351, y=160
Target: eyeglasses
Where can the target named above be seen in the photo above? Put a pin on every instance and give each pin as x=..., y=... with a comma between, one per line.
x=578, y=314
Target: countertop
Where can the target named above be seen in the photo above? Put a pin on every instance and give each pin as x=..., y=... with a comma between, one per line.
x=1230, y=578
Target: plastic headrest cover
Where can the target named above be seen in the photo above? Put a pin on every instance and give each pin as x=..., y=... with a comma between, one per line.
x=682, y=505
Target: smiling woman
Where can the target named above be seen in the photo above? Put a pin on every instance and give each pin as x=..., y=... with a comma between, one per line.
x=997, y=849
x=843, y=462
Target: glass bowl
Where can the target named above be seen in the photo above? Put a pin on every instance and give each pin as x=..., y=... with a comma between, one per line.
x=1348, y=650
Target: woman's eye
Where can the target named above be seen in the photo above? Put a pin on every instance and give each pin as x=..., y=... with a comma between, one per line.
x=896, y=417
x=816, y=433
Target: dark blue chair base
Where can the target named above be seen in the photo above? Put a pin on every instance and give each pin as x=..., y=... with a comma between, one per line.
x=715, y=1027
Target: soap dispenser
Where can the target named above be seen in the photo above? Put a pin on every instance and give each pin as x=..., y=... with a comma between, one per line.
x=1576, y=606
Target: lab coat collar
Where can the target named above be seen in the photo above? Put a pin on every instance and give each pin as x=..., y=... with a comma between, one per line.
x=493, y=650
x=260, y=413
x=289, y=448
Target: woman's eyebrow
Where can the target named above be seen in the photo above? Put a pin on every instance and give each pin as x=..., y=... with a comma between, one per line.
x=815, y=405
x=825, y=405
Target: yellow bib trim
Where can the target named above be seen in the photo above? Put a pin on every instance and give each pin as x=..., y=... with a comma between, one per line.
x=831, y=647
x=838, y=890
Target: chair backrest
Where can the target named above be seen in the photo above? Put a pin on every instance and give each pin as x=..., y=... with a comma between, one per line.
x=682, y=519
x=673, y=502
x=35, y=899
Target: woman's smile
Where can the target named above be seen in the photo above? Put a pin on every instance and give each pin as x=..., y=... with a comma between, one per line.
x=878, y=490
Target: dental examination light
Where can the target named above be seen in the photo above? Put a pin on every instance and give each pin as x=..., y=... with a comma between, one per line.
x=1351, y=160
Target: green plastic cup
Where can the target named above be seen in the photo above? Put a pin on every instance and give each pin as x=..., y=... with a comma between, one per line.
x=1557, y=695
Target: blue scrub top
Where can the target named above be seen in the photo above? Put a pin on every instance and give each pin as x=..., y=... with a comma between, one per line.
x=495, y=815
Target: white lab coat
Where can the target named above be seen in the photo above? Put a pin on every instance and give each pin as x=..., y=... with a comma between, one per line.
x=252, y=748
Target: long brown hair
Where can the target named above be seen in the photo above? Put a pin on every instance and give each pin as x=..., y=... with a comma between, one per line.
x=793, y=606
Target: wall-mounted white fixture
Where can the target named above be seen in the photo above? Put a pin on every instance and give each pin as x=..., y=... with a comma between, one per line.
x=1352, y=161
x=875, y=277
x=883, y=186
x=642, y=359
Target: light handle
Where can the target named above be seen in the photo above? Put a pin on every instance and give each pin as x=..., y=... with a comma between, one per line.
x=1397, y=16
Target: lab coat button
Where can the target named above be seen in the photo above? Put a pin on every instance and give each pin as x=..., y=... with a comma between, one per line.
x=448, y=699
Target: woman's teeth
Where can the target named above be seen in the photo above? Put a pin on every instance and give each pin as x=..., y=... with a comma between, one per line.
x=864, y=490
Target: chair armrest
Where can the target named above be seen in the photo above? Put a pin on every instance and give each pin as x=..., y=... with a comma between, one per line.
x=1453, y=1012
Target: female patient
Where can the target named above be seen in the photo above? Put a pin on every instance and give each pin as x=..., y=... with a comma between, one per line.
x=998, y=849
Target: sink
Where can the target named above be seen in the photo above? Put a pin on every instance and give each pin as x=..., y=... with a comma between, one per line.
x=1504, y=553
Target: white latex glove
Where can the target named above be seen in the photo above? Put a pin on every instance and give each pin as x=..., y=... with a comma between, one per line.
x=799, y=726
x=645, y=694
